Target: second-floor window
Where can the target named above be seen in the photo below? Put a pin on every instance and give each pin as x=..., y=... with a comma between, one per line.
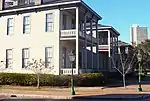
x=10, y=26
x=49, y=22
x=25, y=57
x=48, y=57
x=9, y=57
x=26, y=24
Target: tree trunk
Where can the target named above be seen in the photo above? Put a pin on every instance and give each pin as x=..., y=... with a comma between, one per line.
x=38, y=81
x=124, y=80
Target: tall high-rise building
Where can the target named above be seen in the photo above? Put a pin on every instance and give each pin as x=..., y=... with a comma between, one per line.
x=138, y=34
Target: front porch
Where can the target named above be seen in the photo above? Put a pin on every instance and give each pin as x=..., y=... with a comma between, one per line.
x=85, y=57
x=74, y=37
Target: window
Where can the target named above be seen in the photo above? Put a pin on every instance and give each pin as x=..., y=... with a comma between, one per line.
x=25, y=57
x=48, y=57
x=10, y=25
x=49, y=22
x=26, y=24
x=9, y=58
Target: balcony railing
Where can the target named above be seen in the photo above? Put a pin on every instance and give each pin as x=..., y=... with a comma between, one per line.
x=68, y=33
x=67, y=71
x=103, y=47
x=72, y=33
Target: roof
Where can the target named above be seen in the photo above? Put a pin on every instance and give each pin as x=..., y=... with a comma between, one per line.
x=103, y=27
x=56, y=1
x=50, y=2
x=122, y=43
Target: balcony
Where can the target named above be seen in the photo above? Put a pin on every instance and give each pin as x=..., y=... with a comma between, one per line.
x=72, y=33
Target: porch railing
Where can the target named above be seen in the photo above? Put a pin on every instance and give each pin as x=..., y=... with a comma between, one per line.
x=103, y=47
x=68, y=33
x=67, y=71
x=72, y=33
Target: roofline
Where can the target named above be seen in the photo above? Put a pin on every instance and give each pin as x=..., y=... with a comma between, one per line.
x=109, y=27
x=54, y=4
x=38, y=6
x=99, y=17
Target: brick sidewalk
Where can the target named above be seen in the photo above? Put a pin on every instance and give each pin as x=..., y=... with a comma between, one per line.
x=64, y=93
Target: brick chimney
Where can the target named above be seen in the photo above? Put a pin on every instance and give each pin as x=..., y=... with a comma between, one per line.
x=1, y=4
x=38, y=2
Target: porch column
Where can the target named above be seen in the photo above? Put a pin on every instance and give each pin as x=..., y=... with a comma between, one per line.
x=115, y=47
x=109, y=55
x=77, y=40
x=117, y=52
x=91, y=31
x=112, y=44
x=97, y=48
x=85, y=43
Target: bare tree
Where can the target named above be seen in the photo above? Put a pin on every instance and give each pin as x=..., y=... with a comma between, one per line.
x=5, y=65
x=39, y=67
x=126, y=64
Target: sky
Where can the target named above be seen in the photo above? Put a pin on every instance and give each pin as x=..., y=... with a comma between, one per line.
x=122, y=14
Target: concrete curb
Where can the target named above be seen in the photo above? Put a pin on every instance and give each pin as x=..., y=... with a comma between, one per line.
x=9, y=95
x=112, y=98
x=32, y=96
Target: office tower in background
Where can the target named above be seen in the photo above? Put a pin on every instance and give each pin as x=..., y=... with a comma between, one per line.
x=138, y=34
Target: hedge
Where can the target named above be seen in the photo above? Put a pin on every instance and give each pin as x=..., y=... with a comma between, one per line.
x=90, y=79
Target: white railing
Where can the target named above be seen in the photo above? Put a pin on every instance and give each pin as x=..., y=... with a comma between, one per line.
x=67, y=71
x=70, y=33
x=103, y=47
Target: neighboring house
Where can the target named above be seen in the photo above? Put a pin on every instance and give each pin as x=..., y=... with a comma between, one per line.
x=108, y=47
x=127, y=54
x=48, y=30
x=138, y=34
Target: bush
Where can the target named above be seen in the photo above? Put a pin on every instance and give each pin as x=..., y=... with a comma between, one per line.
x=90, y=79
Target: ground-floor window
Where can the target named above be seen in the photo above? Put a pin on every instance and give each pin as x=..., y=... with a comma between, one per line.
x=9, y=57
x=25, y=57
x=48, y=57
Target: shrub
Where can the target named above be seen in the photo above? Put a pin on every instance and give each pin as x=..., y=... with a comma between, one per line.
x=90, y=79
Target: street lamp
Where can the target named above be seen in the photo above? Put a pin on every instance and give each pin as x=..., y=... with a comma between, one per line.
x=72, y=59
x=139, y=57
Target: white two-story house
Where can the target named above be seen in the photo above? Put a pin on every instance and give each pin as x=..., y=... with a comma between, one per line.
x=48, y=30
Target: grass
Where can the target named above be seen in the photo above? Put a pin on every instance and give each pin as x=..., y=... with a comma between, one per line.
x=33, y=88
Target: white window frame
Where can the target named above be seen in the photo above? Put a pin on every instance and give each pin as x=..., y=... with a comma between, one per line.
x=10, y=26
x=9, y=58
x=26, y=24
x=49, y=57
x=49, y=21
x=25, y=57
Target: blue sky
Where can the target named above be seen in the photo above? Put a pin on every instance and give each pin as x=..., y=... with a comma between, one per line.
x=121, y=14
